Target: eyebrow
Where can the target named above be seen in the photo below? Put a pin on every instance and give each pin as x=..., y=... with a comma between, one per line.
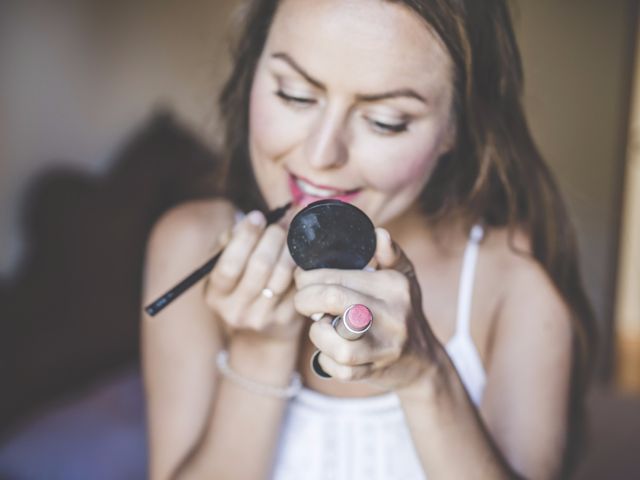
x=403, y=92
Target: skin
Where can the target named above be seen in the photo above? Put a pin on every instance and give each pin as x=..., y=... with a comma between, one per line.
x=325, y=131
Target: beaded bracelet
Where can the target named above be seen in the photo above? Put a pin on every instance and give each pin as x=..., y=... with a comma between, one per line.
x=292, y=390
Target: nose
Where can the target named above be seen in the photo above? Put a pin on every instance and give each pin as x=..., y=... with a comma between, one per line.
x=327, y=143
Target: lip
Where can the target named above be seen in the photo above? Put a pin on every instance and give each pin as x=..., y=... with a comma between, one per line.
x=302, y=198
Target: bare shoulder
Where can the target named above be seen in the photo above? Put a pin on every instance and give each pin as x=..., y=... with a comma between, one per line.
x=515, y=269
x=530, y=357
x=529, y=307
x=182, y=238
x=194, y=223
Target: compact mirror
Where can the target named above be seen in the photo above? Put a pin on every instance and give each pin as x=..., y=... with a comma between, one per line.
x=331, y=234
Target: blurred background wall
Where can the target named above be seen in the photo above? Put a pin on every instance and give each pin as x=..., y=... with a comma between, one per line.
x=78, y=77
x=578, y=60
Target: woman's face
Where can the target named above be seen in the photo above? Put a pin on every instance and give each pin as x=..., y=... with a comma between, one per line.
x=351, y=99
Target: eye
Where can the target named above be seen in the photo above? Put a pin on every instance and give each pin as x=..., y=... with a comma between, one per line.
x=385, y=128
x=296, y=101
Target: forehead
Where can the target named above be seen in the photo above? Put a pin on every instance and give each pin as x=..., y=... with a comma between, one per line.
x=380, y=44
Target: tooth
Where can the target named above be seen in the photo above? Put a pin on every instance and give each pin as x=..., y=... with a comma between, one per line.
x=316, y=191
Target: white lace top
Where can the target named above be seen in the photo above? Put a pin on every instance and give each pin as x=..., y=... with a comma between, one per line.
x=331, y=438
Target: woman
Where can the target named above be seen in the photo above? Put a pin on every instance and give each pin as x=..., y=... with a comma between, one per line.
x=475, y=363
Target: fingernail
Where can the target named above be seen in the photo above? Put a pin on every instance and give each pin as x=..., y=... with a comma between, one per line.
x=316, y=316
x=385, y=235
x=256, y=218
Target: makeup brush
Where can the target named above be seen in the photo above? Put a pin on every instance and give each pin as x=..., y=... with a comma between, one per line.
x=154, y=307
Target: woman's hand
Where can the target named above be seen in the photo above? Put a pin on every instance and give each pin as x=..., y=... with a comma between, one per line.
x=255, y=258
x=398, y=347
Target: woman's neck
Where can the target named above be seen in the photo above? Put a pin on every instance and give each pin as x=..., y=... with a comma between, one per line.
x=413, y=228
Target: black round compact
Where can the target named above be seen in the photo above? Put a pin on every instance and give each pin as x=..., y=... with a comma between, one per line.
x=331, y=234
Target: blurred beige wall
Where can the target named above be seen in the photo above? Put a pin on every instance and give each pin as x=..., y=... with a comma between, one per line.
x=578, y=57
x=77, y=76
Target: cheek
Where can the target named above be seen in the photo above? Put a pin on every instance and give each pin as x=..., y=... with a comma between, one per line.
x=405, y=167
x=268, y=132
x=260, y=115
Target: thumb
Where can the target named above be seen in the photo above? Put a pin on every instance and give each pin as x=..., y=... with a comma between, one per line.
x=386, y=252
x=389, y=254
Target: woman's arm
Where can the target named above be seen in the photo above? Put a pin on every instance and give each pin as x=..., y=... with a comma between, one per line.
x=200, y=424
x=242, y=432
x=520, y=429
x=179, y=344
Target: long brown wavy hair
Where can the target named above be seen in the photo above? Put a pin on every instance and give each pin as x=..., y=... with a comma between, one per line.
x=495, y=173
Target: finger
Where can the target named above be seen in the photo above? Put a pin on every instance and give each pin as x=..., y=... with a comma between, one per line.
x=333, y=299
x=346, y=352
x=276, y=311
x=284, y=311
x=282, y=274
x=272, y=311
x=373, y=284
x=262, y=260
x=234, y=257
x=344, y=373
x=224, y=238
x=389, y=254
x=342, y=351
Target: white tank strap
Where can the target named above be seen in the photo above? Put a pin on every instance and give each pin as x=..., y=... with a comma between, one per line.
x=467, y=275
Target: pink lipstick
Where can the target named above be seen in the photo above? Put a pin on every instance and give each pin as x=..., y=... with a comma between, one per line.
x=352, y=324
